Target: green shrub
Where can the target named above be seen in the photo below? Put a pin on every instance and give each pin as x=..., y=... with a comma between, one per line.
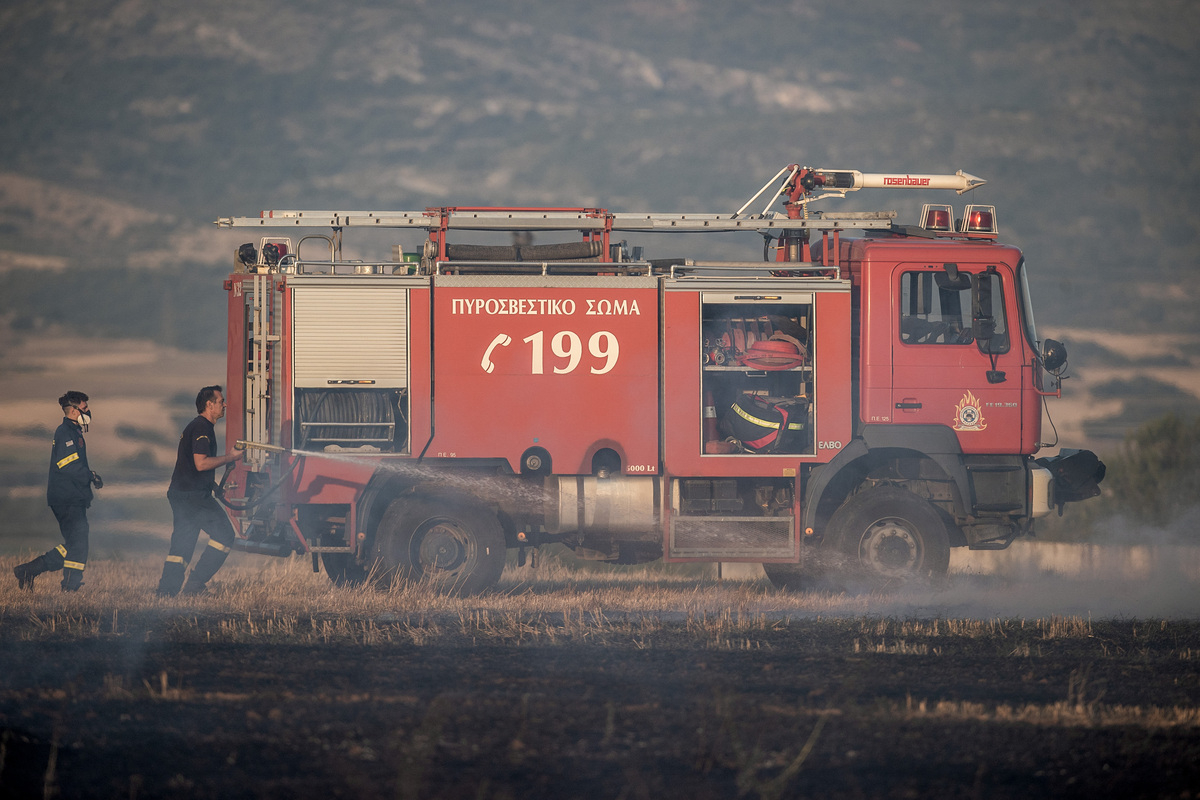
x=1152, y=483
x=1156, y=475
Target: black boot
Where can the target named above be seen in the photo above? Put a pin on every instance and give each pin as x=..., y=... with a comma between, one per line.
x=172, y=578
x=25, y=574
x=72, y=579
x=205, y=568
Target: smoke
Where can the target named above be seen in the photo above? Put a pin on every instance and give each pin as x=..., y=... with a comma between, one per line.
x=1151, y=579
x=1183, y=529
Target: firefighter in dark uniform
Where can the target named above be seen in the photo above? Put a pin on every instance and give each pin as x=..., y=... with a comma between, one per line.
x=68, y=493
x=193, y=506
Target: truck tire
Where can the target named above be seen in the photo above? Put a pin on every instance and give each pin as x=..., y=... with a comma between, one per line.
x=789, y=577
x=820, y=570
x=889, y=535
x=450, y=542
x=343, y=570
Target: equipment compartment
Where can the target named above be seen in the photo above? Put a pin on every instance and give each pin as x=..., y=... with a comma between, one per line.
x=757, y=378
x=351, y=418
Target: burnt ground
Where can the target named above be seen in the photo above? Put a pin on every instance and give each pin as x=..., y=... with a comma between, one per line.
x=804, y=708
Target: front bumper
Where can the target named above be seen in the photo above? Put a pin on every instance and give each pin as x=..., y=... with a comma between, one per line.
x=1075, y=475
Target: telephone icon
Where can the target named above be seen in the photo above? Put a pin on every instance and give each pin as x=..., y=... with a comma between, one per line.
x=501, y=340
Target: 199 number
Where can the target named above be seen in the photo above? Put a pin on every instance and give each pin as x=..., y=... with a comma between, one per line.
x=567, y=345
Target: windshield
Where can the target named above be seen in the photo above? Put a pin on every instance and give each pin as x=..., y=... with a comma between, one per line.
x=1026, y=293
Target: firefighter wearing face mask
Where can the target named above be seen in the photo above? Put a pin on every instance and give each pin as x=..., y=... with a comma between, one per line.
x=68, y=493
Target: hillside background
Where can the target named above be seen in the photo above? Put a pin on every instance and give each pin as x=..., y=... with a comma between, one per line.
x=128, y=127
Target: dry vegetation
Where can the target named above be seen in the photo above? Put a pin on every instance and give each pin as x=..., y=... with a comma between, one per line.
x=564, y=683
x=284, y=601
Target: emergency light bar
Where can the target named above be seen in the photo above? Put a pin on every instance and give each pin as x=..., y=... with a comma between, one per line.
x=979, y=220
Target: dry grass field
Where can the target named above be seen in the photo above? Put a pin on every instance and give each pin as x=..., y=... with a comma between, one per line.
x=635, y=683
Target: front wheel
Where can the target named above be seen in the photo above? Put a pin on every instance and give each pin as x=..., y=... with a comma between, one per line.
x=453, y=543
x=891, y=535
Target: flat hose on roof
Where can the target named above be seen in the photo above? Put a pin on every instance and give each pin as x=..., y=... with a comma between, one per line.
x=565, y=251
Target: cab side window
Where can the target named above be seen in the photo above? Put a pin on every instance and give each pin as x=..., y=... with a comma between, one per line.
x=936, y=310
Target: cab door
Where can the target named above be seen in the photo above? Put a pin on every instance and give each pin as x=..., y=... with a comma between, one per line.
x=954, y=362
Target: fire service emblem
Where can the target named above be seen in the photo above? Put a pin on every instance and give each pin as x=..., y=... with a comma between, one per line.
x=967, y=414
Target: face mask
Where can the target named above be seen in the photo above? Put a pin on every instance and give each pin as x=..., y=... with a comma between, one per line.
x=84, y=419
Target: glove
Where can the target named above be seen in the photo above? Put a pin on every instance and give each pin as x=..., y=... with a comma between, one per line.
x=97, y=481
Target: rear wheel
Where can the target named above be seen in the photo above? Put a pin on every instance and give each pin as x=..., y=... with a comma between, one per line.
x=891, y=535
x=450, y=542
x=343, y=570
x=786, y=576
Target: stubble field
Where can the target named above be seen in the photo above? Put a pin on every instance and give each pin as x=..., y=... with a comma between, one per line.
x=619, y=684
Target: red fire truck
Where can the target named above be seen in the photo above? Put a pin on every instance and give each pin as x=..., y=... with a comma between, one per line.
x=878, y=397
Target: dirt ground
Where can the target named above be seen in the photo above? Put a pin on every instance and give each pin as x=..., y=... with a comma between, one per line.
x=173, y=706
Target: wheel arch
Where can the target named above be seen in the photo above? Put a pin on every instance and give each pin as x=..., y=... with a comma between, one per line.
x=879, y=445
x=384, y=487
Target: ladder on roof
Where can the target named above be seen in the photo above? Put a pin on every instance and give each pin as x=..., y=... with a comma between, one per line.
x=800, y=186
x=597, y=220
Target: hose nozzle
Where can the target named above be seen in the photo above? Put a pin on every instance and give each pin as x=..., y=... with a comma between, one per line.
x=242, y=444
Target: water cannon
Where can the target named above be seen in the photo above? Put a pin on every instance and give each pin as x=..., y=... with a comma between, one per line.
x=807, y=183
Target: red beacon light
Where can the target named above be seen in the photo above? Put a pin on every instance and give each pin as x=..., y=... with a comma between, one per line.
x=937, y=218
x=980, y=219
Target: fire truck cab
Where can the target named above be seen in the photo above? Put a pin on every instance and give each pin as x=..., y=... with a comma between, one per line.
x=878, y=397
